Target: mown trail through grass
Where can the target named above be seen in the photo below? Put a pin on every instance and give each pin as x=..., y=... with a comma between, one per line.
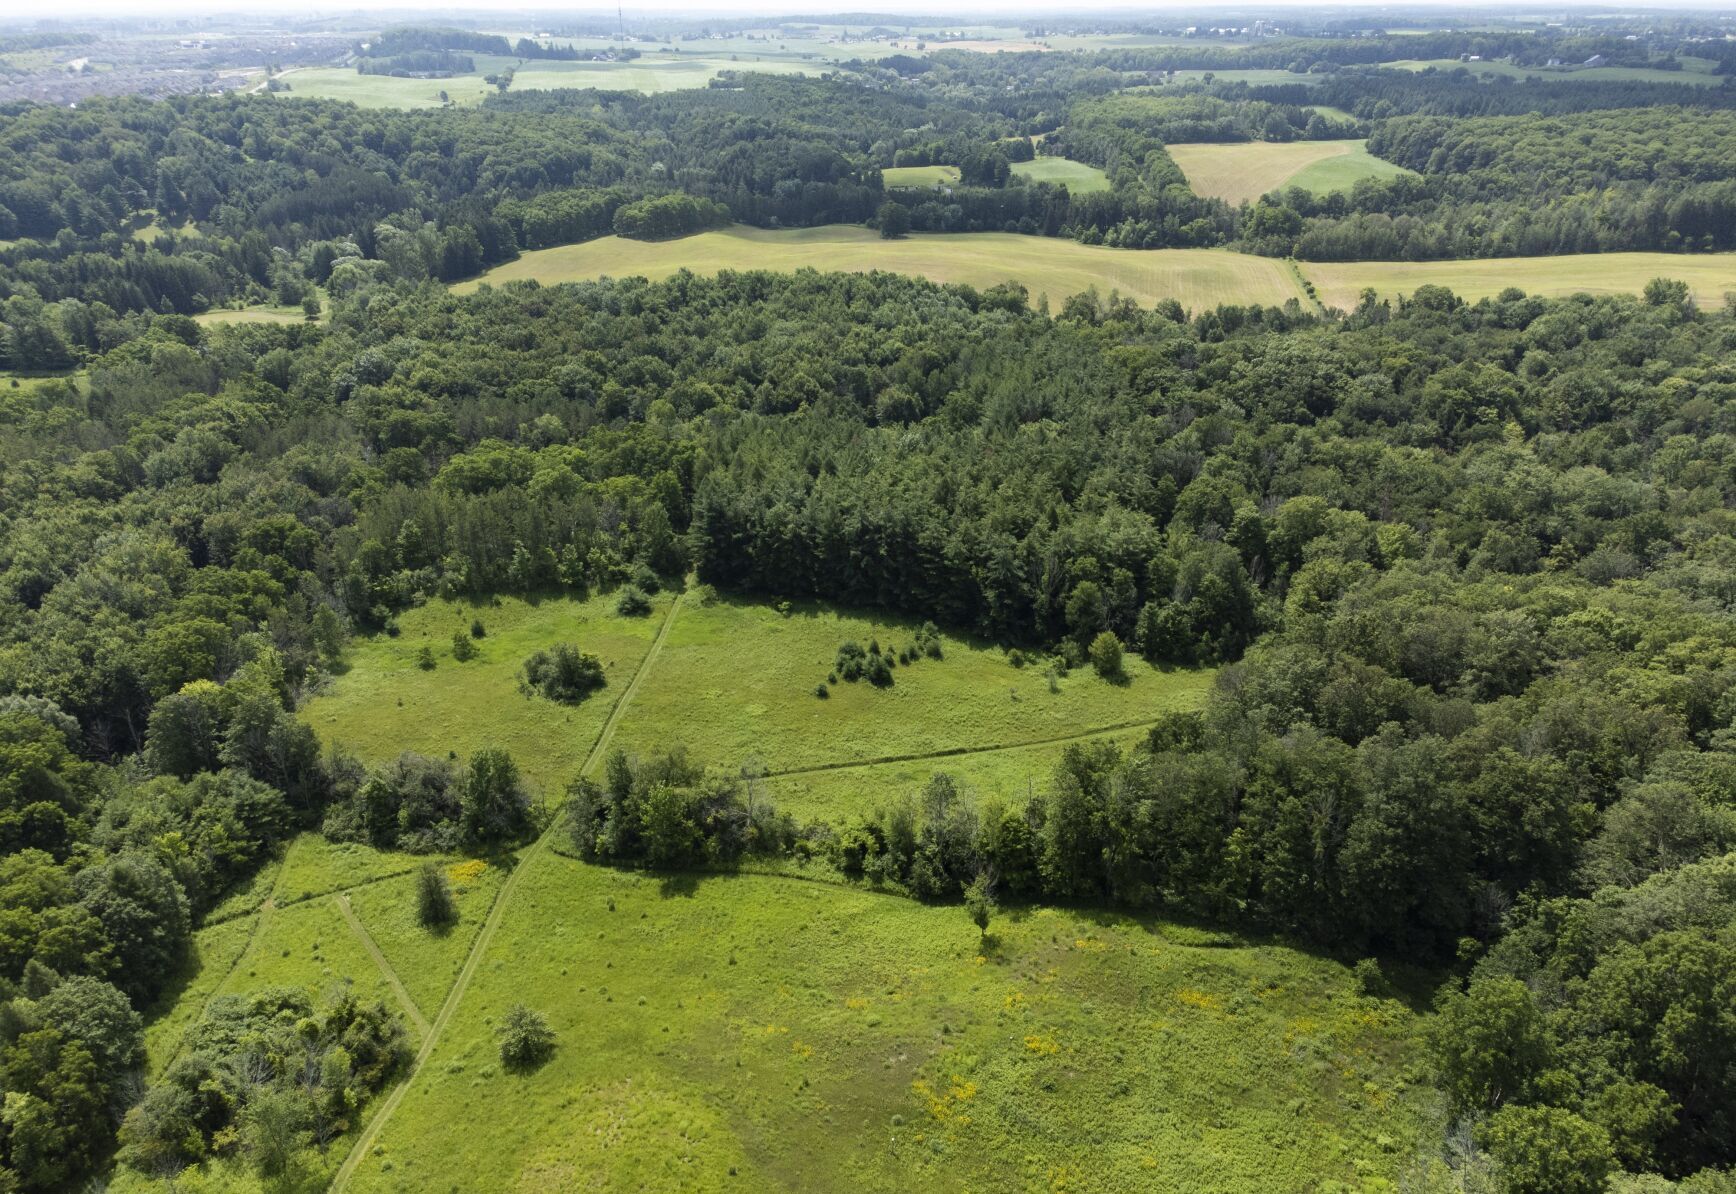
x=386, y=968
x=479, y=947
x=956, y=751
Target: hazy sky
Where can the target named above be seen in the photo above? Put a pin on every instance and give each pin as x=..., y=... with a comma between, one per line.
x=14, y=10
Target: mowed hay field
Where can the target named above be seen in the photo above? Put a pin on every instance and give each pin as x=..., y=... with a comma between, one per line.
x=734, y=683
x=1709, y=275
x=385, y=704
x=766, y=1033
x=1199, y=279
x=1243, y=171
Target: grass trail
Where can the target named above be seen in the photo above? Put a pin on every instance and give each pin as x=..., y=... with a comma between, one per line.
x=480, y=946
x=954, y=752
x=386, y=968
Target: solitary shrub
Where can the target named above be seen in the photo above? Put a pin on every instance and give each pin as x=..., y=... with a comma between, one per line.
x=640, y=576
x=435, y=907
x=463, y=647
x=1106, y=655
x=526, y=1040
x=821, y=691
x=563, y=673
x=632, y=602
x=979, y=901
x=477, y=629
x=425, y=659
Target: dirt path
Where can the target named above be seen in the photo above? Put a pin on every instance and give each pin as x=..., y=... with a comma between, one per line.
x=956, y=751
x=479, y=947
x=386, y=968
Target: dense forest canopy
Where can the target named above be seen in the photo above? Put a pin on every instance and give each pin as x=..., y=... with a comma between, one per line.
x=1467, y=570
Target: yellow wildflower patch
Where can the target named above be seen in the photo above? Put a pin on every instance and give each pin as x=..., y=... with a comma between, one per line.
x=466, y=872
x=1042, y=1044
x=1192, y=998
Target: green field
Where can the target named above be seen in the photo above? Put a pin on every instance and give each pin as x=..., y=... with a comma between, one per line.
x=1079, y=178
x=1242, y=172
x=734, y=682
x=759, y=1033
x=1199, y=279
x=918, y=176
x=655, y=71
x=1572, y=74
x=1710, y=275
x=754, y=1032
x=385, y=704
x=218, y=315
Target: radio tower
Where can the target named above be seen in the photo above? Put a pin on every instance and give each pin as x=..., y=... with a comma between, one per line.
x=620, y=25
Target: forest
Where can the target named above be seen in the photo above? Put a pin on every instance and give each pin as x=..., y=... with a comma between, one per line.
x=1464, y=572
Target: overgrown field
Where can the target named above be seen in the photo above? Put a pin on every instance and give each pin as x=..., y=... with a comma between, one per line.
x=1199, y=279
x=1708, y=275
x=1242, y=172
x=385, y=703
x=734, y=683
x=753, y=1033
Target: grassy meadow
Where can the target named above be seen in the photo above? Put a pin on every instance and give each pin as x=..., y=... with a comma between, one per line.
x=925, y=177
x=1695, y=72
x=734, y=683
x=1079, y=178
x=1709, y=275
x=757, y=1033
x=1243, y=171
x=1199, y=279
x=385, y=704
x=272, y=314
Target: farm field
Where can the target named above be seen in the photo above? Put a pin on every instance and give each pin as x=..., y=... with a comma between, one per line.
x=750, y=1032
x=385, y=703
x=656, y=71
x=1576, y=74
x=1199, y=279
x=918, y=176
x=1242, y=172
x=1079, y=178
x=218, y=315
x=1708, y=275
x=734, y=683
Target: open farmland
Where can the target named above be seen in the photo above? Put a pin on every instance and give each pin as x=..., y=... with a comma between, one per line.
x=1199, y=279
x=1243, y=171
x=1077, y=176
x=1709, y=275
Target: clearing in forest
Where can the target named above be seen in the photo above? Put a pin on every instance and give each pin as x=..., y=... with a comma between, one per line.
x=1710, y=276
x=1243, y=171
x=1079, y=178
x=1199, y=279
x=756, y=1033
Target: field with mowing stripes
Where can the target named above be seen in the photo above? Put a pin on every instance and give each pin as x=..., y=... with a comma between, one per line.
x=1199, y=279
x=1242, y=172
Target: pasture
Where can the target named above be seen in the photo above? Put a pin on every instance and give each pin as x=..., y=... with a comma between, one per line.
x=1695, y=71
x=924, y=177
x=1078, y=178
x=1199, y=279
x=384, y=703
x=1709, y=275
x=754, y=1032
x=1241, y=172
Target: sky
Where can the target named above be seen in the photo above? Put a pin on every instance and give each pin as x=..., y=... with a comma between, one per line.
x=11, y=10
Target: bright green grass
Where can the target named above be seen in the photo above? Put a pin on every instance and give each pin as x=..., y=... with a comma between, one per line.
x=1079, y=178
x=734, y=683
x=1253, y=78
x=1709, y=275
x=1199, y=279
x=758, y=1033
x=247, y=896
x=1011, y=776
x=307, y=945
x=385, y=704
x=918, y=176
x=427, y=961
x=314, y=866
x=1331, y=113
x=383, y=91
x=1242, y=172
x=1577, y=74
x=215, y=951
